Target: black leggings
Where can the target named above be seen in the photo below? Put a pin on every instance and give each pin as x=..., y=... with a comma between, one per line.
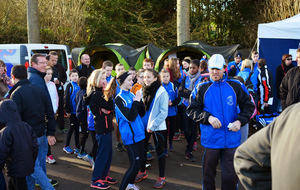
x=190, y=132
x=135, y=153
x=159, y=140
x=74, y=126
x=17, y=183
x=85, y=134
x=60, y=110
x=171, y=123
x=93, y=153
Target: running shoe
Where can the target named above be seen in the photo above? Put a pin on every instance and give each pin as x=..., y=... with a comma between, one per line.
x=132, y=187
x=161, y=181
x=190, y=157
x=50, y=159
x=166, y=153
x=109, y=180
x=150, y=148
x=149, y=156
x=81, y=155
x=76, y=151
x=176, y=138
x=140, y=176
x=53, y=182
x=89, y=159
x=99, y=184
x=68, y=150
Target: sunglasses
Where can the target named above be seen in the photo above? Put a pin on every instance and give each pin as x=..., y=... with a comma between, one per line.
x=289, y=59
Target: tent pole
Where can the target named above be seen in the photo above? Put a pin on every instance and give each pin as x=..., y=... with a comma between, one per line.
x=252, y=48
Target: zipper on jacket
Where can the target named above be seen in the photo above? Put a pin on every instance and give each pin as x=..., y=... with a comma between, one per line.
x=222, y=112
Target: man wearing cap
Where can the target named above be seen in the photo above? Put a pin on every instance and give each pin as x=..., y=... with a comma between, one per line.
x=235, y=66
x=214, y=104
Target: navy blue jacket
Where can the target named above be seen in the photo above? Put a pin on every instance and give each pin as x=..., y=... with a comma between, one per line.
x=33, y=106
x=128, y=115
x=81, y=108
x=18, y=143
x=220, y=99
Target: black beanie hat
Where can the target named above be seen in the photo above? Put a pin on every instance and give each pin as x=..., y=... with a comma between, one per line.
x=122, y=77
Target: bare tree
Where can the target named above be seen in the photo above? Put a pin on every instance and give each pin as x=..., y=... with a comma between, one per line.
x=33, y=28
x=183, y=21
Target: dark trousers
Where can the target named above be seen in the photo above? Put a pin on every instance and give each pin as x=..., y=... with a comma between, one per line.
x=190, y=132
x=49, y=150
x=210, y=161
x=85, y=134
x=93, y=153
x=74, y=126
x=17, y=183
x=159, y=141
x=171, y=123
x=135, y=154
x=181, y=112
x=104, y=156
x=2, y=181
x=60, y=110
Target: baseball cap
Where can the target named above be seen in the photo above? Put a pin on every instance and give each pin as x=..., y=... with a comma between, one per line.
x=216, y=61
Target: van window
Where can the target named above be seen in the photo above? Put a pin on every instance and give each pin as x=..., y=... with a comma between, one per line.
x=10, y=56
x=62, y=59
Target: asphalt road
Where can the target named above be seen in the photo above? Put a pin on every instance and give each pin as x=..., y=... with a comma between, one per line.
x=75, y=174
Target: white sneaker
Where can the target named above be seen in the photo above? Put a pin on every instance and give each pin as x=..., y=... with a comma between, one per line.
x=50, y=159
x=134, y=187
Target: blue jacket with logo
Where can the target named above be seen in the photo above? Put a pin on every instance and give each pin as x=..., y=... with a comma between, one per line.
x=70, y=97
x=173, y=96
x=220, y=99
x=128, y=116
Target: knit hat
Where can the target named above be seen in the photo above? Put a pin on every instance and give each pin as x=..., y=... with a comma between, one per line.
x=238, y=54
x=122, y=77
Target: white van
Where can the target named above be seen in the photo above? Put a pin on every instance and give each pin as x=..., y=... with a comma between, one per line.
x=15, y=54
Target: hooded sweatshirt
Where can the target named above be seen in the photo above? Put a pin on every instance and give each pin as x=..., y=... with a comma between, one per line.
x=18, y=144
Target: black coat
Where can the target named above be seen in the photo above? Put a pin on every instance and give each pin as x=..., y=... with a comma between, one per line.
x=96, y=101
x=33, y=106
x=18, y=143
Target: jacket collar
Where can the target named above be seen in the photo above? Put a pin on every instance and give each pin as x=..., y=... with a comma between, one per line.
x=20, y=83
x=33, y=70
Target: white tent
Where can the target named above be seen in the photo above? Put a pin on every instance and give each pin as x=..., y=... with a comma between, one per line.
x=276, y=39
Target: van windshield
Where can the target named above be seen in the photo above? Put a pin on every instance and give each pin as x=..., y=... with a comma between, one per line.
x=10, y=57
x=62, y=59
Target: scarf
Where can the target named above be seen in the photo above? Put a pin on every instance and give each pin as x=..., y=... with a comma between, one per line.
x=149, y=93
x=4, y=78
x=193, y=79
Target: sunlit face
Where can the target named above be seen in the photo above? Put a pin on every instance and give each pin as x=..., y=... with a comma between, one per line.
x=147, y=65
x=255, y=57
x=48, y=75
x=102, y=82
x=140, y=78
x=52, y=60
x=2, y=69
x=108, y=70
x=288, y=61
x=149, y=78
x=85, y=59
x=165, y=77
x=216, y=74
x=185, y=64
x=298, y=58
x=133, y=73
x=41, y=64
x=237, y=59
x=74, y=77
x=127, y=84
x=193, y=68
x=119, y=69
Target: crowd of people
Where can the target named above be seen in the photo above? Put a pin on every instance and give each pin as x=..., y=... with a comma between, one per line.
x=210, y=99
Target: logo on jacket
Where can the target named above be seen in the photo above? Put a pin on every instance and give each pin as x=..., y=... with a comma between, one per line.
x=229, y=100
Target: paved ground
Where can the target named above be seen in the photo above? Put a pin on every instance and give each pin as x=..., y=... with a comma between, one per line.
x=73, y=173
